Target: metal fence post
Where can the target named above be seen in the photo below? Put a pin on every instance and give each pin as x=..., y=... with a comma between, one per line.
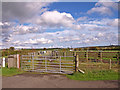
x=60, y=64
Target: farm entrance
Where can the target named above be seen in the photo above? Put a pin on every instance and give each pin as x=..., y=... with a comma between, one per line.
x=49, y=64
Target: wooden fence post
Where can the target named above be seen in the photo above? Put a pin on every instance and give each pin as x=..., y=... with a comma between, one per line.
x=74, y=53
x=76, y=63
x=65, y=55
x=110, y=63
x=87, y=55
x=101, y=56
x=55, y=54
x=118, y=55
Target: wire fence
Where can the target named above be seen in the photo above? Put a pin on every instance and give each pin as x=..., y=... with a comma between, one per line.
x=94, y=59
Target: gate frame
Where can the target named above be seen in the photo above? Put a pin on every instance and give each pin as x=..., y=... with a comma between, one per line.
x=60, y=64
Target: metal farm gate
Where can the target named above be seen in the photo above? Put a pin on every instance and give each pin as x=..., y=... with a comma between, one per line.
x=49, y=64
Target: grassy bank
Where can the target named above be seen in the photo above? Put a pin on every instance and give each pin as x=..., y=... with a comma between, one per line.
x=10, y=71
x=95, y=75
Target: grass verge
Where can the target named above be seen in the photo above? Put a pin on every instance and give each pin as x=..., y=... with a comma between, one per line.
x=95, y=75
x=10, y=71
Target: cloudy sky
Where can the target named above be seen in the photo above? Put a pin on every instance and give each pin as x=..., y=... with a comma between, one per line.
x=59, y=24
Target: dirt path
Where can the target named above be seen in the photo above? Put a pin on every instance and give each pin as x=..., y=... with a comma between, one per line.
x=52, y=81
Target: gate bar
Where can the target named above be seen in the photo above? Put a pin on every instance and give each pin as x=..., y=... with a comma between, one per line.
x=45, y=64
x=60, y=63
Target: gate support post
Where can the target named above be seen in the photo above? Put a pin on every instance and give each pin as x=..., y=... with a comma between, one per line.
x=3, y=62
x=76, y=63
x=18, y=61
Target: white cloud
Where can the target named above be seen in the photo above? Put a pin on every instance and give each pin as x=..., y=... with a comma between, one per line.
x=95, y=39
x=44, y=41
x=87, y=41
x=113, y=22
x=100, y=34
x=22, y=11
x=37, y=41
x=9, y=30
x=1, y=24
x=6, y=31
x=7, y=27
x=81, y=18
x=102, y=22
x=99, y=28
x=19, y=47
x=109, y=4
x=64, y=38
x=103, y=8
x=52, y=18
x=1, y=43
x=21, y=29
x=57, y=19
x=17, y=42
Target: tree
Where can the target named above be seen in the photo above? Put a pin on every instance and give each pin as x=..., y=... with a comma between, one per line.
x=12, y=48
x=44, y=48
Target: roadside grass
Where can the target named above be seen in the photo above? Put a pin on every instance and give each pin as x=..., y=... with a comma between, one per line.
x=95, y=75
x=10, y=71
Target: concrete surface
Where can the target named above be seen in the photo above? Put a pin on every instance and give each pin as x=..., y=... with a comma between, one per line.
x=52, y=81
